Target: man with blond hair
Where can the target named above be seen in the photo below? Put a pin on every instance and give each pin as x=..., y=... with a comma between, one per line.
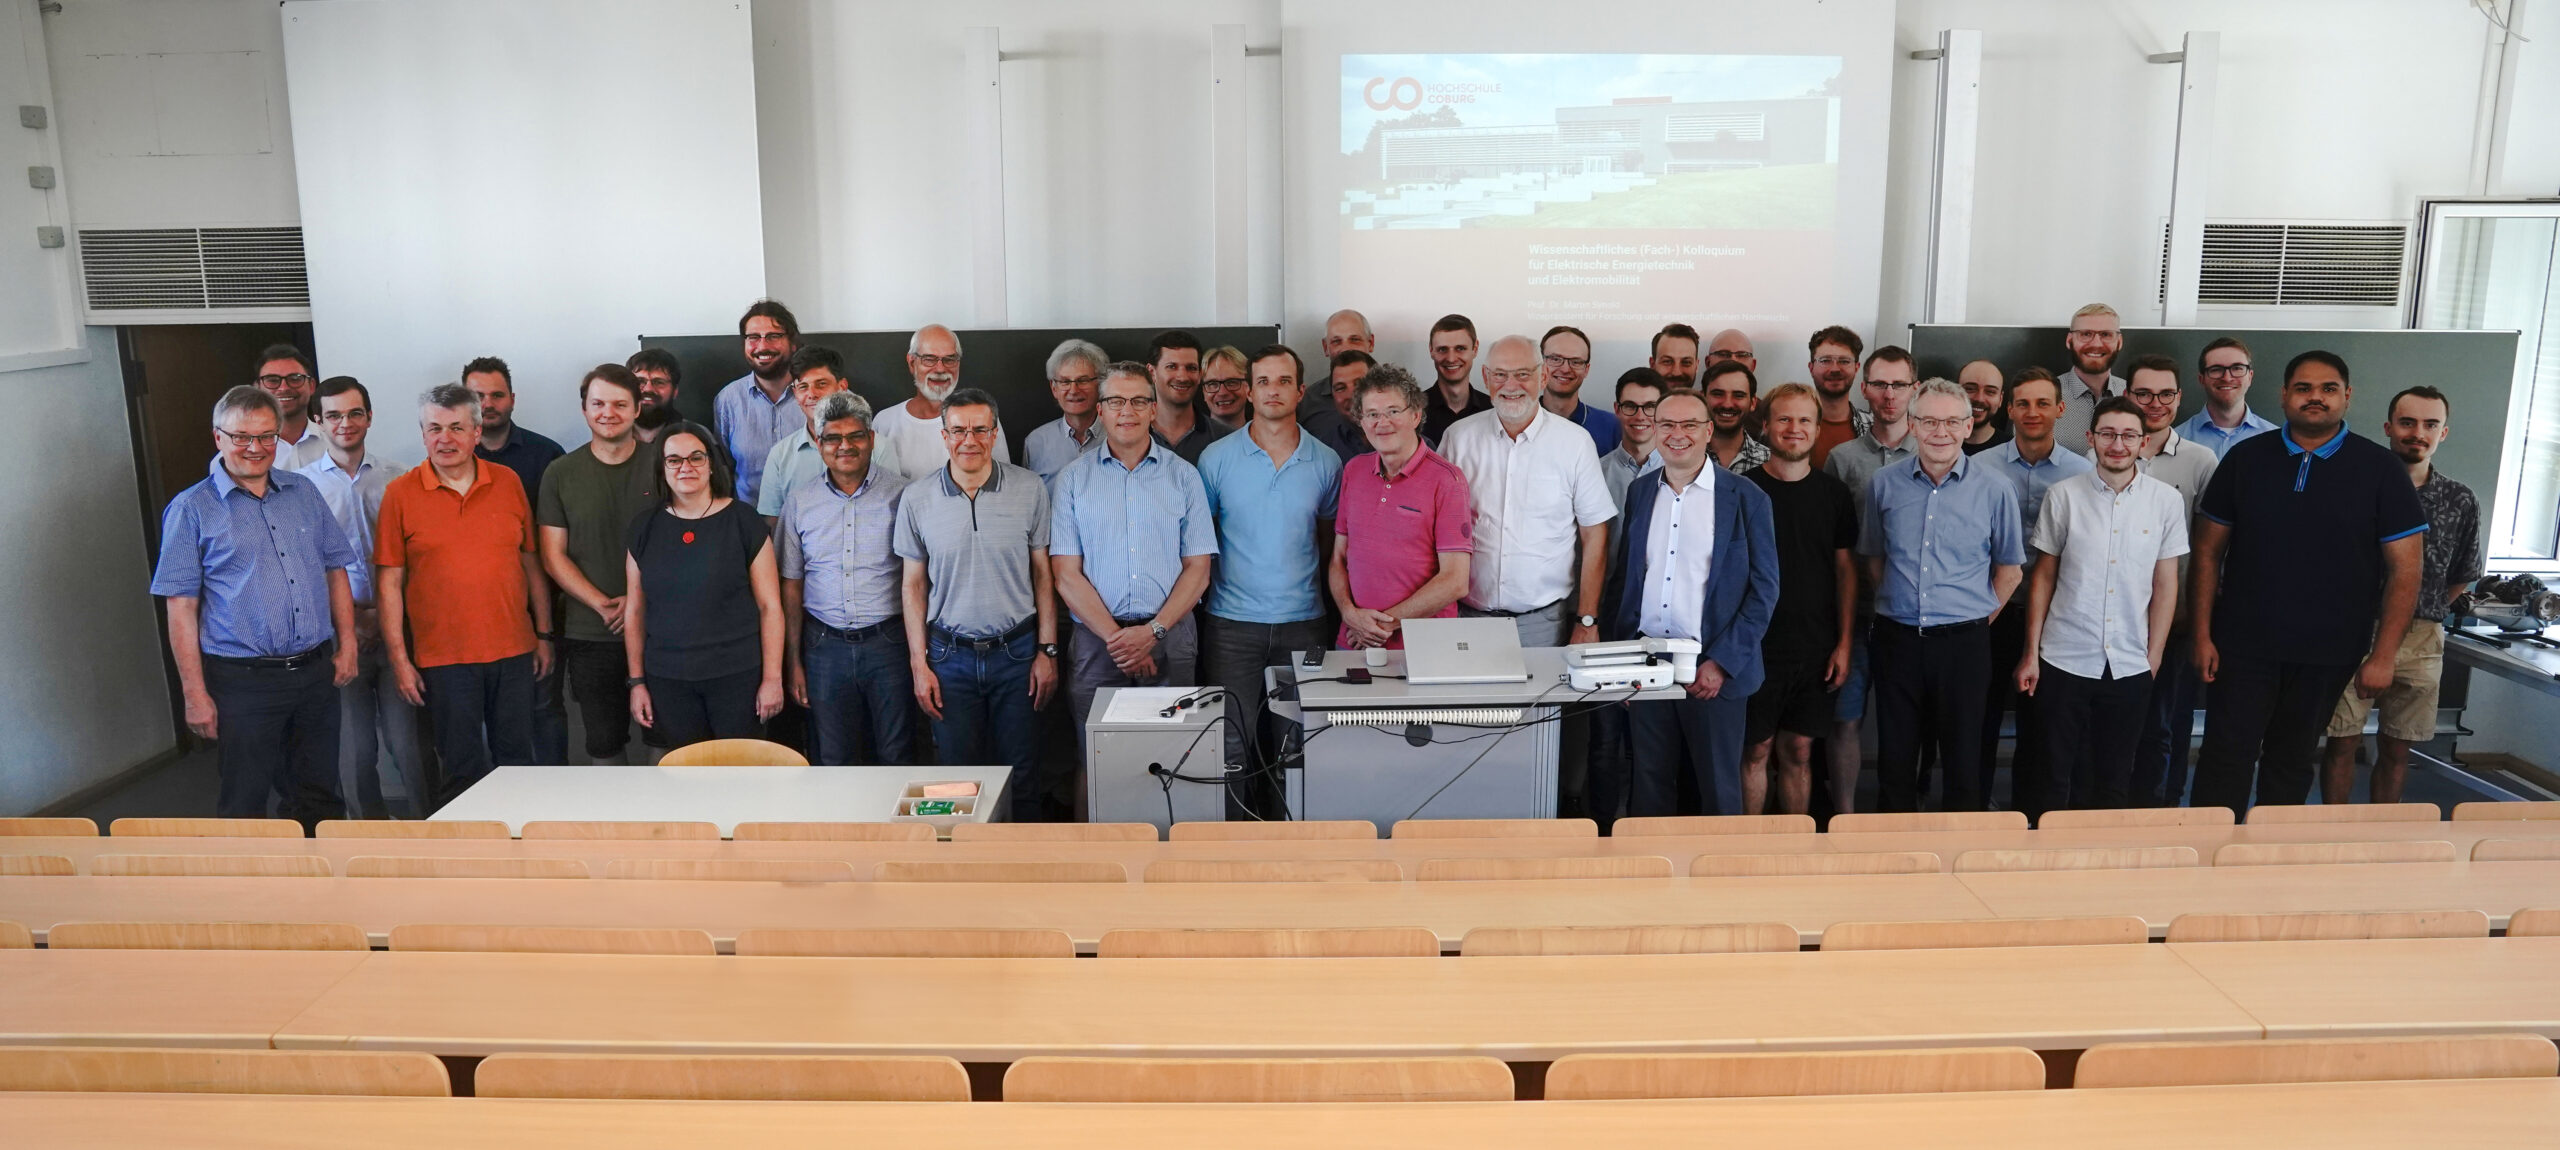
x=2095, y=339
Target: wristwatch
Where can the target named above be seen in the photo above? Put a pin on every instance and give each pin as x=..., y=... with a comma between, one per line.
x=1156, y=629
x=635, y=681
x=1049, y=649
x=1585, y=621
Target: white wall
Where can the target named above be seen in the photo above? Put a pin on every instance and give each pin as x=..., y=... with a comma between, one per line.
x=39, y=318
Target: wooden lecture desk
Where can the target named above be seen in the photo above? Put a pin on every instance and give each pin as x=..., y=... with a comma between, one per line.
x=160, y=997
x=2385, y=987
x=2496, y=889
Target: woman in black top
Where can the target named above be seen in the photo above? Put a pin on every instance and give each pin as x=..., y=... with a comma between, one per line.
x=703, y=626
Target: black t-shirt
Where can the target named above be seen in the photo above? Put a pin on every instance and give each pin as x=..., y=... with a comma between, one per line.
x=2302, y=578
x=1436, y=416
x=700, y=604
x=1815, y=518
x=1998, y=437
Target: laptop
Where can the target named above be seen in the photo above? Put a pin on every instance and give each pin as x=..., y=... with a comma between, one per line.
x=1462, y=650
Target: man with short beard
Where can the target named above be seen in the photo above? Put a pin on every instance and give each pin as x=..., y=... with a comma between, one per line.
x=1173, y=365
x=1886, y=441
x=1980, y=380
x=1806, y=650
x=1832, y=361
x=756, y=410
x=1451, y=396
x=659, y=375
x=287, y=376
x=910, y=434
x=1674, y=353
x=583, y=519
x=1567, y=355
x=1534, y=483
x=1733, y=394
x=2095, y=340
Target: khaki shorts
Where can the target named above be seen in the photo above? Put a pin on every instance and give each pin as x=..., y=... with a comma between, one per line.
x=2409, y=703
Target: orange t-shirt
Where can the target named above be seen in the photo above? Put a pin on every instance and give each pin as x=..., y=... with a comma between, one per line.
x=1831, y=435
x=462, y=559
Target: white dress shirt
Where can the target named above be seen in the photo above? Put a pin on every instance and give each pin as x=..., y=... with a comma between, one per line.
x=298, y=454
x=2106, y=543
x=920, y=450
x=1531, y=496
x=1679, y=549
x=355, y=501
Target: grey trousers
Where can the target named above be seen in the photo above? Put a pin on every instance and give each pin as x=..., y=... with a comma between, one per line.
x=374, y=720
x=1177, y=665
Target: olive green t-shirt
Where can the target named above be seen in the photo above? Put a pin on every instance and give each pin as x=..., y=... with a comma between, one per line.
x=597, y=502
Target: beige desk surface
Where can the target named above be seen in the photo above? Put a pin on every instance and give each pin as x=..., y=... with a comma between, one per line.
x=2320, y=1116
x=2496, y=889
x=2388, y=986
x=160, y=998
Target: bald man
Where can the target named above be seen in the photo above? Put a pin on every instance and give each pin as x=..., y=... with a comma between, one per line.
x=915, y=427
x=1731, y=346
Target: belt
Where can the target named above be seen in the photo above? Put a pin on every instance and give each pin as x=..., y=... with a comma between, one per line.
x=859, y=634
x=276, y=662
x=1937, y=629
x=1140, y=621
x=1491, y=613
x=988, y=643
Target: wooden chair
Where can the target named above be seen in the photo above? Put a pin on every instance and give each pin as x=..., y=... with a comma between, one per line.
x=2346, y=813
x=1459, y=1079
x=2136, y=817
x=36, y=865
x=2515, y=850
x=197, y=866
x=207, y=936
x=1273, y=870
x=2270, y=1060
x=1649, y=826
x=16, y=936
x=1251, y=830
x=2539, y=923
x=551, y=939
x=1874, y=821
x=2095, y=931
x=1567, y=867
x=1952, y=1070
x=734, y=1077
x=406, y=1073
x=206, y=828
x=60, y=828
x=738, y=870
x=833, y=832
x=398, y=866
x=411, y=829
x=733, y=753
x=1053, y=832
x=1712, y=938
x=1346, y=942
x=1815, y=862
x=2319, y=854
x=2480, y=812
x=936, y=943
x=639, y=831
x=910, y=870
x=2078, y=858
x=1495, y=829
x=2304, y=927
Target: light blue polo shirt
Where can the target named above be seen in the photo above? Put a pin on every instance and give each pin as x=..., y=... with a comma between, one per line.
x=1267, y=565
x=1132, y=526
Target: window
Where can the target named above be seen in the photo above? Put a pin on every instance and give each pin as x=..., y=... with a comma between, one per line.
x=2490, y=265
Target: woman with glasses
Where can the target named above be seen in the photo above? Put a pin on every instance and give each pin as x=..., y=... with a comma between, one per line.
x=702, y=629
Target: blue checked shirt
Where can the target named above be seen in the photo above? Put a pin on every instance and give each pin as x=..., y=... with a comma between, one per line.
x=259, y=567
x=1133, y=527
x=751, y=424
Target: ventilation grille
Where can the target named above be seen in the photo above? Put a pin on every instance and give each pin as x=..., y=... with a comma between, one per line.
x=2296, y=265
x=193, y=269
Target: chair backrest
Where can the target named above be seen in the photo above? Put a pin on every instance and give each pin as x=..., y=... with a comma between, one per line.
x=2498, y=812
x=1460, y=1079
x=2515, y=850
x=1273, y=870
x=36, y=865
x=2078, y=858
x=643, y=831
x=16, y=936
x=733, y=753
x=1796, y=1073
x=833, y=832
x=910, y=870
x=193, y=866
x=917, y=943
x=2136, y=817
x=1495, y=829
x=401, y=866
x=2267, y=1060
x=1648, y=826
x=206, y=828
x=405, y=1073
x=1815, y=862
x=1869, y=821
x=742, y=870
x=738, y=1077
x=551, y=939
x=206, y=936
x=2536, y=923
x=1711, y=938
x=1265, y=830
x=64, y=828
x=1575, y=866
x=2346, y=813
x=1345, y=942
x=2093, y=931
x=1053, y=832
x=2304, y=927
x=411, y=829
x=2314, y=854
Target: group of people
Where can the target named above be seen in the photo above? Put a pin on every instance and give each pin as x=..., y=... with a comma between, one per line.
x=2056, y=546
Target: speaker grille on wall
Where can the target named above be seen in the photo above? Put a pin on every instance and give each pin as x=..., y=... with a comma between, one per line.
x=193, y=269
x=2277, y=264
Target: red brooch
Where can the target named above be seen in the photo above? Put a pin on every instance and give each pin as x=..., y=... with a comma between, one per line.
x=688, y=537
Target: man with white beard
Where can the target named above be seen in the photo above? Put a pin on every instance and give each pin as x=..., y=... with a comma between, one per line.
x=1534, y=480
x=915, y=427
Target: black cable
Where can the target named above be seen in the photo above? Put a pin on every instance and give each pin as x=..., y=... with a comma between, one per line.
x=1505, y=733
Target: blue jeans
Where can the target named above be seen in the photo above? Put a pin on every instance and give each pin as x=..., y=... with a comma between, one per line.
x=987, y=718
x=859, y=693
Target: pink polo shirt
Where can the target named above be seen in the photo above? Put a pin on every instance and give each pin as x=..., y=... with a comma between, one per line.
x=1393, y=528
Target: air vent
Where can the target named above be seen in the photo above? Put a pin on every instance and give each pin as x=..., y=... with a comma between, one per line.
x=2296, y=265
x=193, y=269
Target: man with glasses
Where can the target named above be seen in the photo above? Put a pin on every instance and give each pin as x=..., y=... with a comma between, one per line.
x=1733, y=397
x=1173, y=365
x=1541, y=509
x=2160, y=753
x=583, y=518
x=755, y=411
x=844, y=644
x=1890, y=377
x=287, y=376
x=1567, y=355
x=2032, y=463
x=1405, y=534
x=912, y=433
x=529, y=454
x=1336, y=424
x=1075, y=375
x=1453, y=361
x=1674, y=354
x=1832, y=360
x=1980, y=380
x=262, y=625
x=372, y=717
x=1731, y=346
x=2095, y=338
x=796, y=460
x=659, y=376
x=1223, y=389
x=1639, y=398
x=2224, y=372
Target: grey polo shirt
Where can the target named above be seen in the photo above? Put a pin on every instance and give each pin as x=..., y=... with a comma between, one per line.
x=976, y=551
x=1858, y=460
x=2080, y=406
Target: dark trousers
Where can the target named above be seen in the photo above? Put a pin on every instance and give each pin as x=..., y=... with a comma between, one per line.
x=689, y=711
x=2089, y=727
x=859, y=693
x=1606, y=782
x=987, y=717
x=2026, y=758
x=1927, y=686
x=551, y=714
x=2168, y=729
x=1232, y=656
x=276, y=732
x=1701, y=737
x=2262, y=728
x=482, y=716
x=597, y=673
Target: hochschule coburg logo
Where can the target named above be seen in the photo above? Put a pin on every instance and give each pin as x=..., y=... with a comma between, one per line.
x=1404, y=94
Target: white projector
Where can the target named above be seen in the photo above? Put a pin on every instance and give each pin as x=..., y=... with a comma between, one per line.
x=1632, y=665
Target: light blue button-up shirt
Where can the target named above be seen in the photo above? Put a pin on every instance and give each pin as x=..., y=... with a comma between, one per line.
x=1268, y=564
x=2033, y=479
x=2201, y=428
x=752, y=424
x=259, y=567
x=1132, y=526
x=355, y=501
x=839, y=546
x=1939, y=541
x=1051, y=447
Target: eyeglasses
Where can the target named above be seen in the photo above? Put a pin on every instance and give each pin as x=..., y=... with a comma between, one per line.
x=835, y=442
x=1725, y=355
x=937, y=360
x=1076, y=381
x=1561, y=363
x=1955, y=424
x=356, y=415
x=1126, y=402
x=1524, y=375
x=2084, y=333
x=297, y=379
x=1634, y=409
x=1890, y=384
x=694, y=461
x=2222, y=370
x=1237, y=382
x=1383, y=414
x=768, y=337
x=1835, y=361
x=2150, y=396
x=245, y=442
x=973, y=432
x=1679, y=426
x=2116, y=436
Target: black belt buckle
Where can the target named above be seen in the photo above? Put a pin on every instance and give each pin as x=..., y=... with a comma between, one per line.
x=990, y=642
x=857, y=634
x=294, y=662
x=1948, y=628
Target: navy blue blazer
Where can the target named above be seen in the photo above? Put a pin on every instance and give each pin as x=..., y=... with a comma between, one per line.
x=1742, y=584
